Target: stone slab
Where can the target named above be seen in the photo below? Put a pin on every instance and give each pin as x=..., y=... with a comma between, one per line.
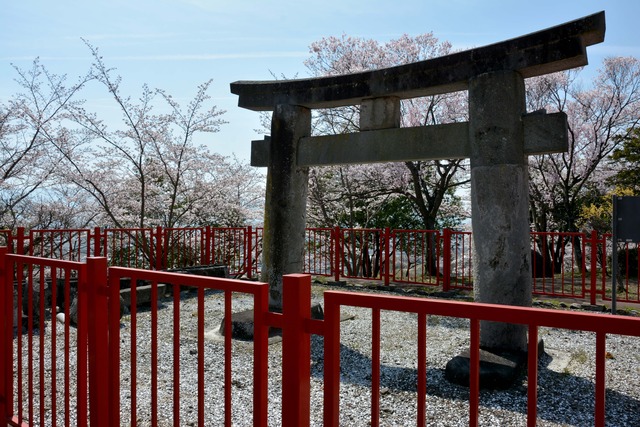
x=544, y=134
x=143, y=294
x=380, y=113
x=242, y=323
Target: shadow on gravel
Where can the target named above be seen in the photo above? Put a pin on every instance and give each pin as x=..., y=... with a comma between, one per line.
x=558, y=393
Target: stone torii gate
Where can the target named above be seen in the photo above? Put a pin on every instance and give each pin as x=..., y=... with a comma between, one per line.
x=498, y=137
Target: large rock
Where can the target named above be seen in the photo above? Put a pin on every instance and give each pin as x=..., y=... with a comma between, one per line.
x=143, y=294
x=32, y=300
x=498, y=369
x=242, y=323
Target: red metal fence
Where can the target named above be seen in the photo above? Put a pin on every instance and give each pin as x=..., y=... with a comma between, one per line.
x=573, y=265
x=82, y=377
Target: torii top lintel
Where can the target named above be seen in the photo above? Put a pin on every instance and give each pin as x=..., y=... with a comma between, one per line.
x=547, y=51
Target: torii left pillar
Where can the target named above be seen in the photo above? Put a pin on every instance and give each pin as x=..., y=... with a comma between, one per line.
x=286, y=200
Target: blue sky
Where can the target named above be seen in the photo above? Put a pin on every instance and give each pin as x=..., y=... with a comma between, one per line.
x=177, y=44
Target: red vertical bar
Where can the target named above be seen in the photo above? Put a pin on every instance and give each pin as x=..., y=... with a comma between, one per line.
x=133, y=307
x=97, y=242
x=114, y=349
x=83, y=309
x=176, y=355
x=227, y=357
x=20, y=280
x=248, y=254
x=601, y=352
x=260, y=356
x=6, y=334
x=336, y=254
x=160, y=262
x=41, y=347
x=446, y=259
x=422, y=370
x=375, y=367
x=207, y=245
x=30, y=396
x=296, y=350
x=154, y=353
x=54, y=356
x=603, y=290
x=201, y=356
x=474, y=373
x=20, y=241
x=532, y=377
x=98, y=341
x=331, y=361
x=386, y=245
x=594, y=258
x=67, y=348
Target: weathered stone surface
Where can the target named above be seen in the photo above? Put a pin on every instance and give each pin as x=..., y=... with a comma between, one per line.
x=500, y=202
x=143, y=294
x=17, y=311
x=286, y=200
x=380, y=113
x=497, y=370
x=543, y=52
x=31, y=299
x=596, y=307
x=543, y=133
x=214, y=270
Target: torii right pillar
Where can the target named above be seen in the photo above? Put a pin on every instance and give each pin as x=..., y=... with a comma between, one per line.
x=500, y=202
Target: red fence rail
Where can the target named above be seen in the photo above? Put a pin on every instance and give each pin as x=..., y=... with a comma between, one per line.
x=572, y=265
x=602, y=325
x=81, y=383
x=40, y=387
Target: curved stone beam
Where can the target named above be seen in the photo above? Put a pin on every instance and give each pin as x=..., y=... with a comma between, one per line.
x=547, y=51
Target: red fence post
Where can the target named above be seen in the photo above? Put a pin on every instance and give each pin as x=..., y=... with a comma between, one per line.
x=207, y=245
x=594, y=259
x=387, y=251
x=10, y=239
x=20, y=241
x=296, y=350
x=247, y=254
x=336, y=253
x=98, y=328
x=97, y=242
x=446, y=259
x=6, y=337
x=160, y=262
x=331, y=361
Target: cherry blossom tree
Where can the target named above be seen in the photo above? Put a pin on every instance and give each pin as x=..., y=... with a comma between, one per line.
x=32, y=124
x=363, y=193
x=599, y=118
x=150, y=172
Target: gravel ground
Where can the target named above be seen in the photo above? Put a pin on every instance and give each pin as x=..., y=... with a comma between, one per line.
x=566, y=374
